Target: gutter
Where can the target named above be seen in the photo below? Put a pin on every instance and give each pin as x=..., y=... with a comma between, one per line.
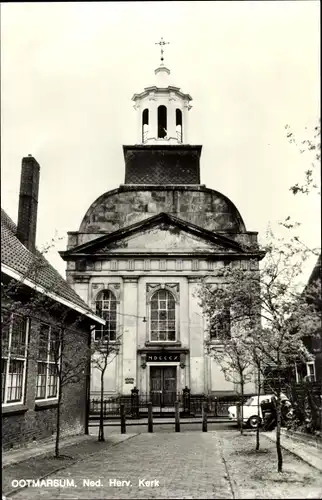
x=17, y=276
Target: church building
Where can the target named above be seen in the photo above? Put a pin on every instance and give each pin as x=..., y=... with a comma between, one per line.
x=142, y=248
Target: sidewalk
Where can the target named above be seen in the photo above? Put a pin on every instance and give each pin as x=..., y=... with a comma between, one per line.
x=308, y=451
x=15, y=456
x=71, y=443
x=39, y=462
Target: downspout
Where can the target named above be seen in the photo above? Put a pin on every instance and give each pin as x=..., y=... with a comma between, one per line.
x=88, y=382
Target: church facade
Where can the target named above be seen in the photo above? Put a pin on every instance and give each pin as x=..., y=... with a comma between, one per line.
x=142, y=249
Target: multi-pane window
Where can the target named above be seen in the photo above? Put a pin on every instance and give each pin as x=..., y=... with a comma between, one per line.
x=162, y=316
x=220, y=325
x=47, y=363
x=106, y=306
x=14, y=358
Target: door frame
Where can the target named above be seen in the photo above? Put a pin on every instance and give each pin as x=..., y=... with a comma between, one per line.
x=162, y=365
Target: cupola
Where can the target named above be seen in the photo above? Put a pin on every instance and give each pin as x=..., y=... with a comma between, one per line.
x=162, y=110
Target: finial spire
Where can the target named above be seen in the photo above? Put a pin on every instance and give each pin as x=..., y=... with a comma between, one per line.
x=162, y=43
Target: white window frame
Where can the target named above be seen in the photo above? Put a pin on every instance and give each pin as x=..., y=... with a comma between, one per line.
x=48, y=363
x=309, y=376
x=100, y=328
x=15, y=357
x=176, y=319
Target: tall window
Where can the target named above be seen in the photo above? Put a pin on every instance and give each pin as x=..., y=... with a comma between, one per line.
x=305, y=371
x=179, y=124
x=106, y=308
x=14, y=358
x=48, y=359
x=145, y=125
x=162, y=122
x=220, y=325
x=162, y=316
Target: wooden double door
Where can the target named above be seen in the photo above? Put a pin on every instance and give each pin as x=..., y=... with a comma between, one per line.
x=163, y=385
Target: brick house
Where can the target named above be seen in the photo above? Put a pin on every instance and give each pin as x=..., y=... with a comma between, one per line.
x=312, y=370
x=297, y=374
x=35, y=301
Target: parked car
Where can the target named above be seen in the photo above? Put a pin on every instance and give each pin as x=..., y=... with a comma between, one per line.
x=250, y=410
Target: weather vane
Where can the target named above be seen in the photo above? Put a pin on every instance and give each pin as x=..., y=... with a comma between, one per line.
x=162, y=43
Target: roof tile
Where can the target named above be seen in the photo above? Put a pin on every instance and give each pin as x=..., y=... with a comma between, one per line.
x=33, y=266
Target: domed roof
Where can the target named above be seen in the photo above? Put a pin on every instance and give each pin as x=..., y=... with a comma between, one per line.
x=128, y=204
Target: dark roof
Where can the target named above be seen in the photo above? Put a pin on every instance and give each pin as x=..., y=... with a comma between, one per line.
x=33, y=266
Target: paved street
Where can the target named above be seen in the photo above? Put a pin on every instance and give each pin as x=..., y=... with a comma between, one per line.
x=178, y=465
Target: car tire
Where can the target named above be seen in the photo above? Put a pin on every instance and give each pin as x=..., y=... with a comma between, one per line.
x=252, y=421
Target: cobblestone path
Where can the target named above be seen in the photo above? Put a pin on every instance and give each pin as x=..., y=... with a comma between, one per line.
x=178, y=465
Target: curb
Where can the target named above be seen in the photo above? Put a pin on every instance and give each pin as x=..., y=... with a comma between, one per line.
x=84, y=437
x=300, y=438
x=231, y=481
x=13, y=492
x=307, y=459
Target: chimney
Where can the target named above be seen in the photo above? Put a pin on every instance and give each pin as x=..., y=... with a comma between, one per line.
x=28, y=202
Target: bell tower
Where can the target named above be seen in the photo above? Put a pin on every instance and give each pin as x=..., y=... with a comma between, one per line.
x=162, y=109
x=162, y=153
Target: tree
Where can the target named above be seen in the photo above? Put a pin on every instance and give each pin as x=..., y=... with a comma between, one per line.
x=104, y=351
x=229, y=350
x=69, y=351
x=267, y=311
x=311, y=182
x=312, y=174
x=258, y=362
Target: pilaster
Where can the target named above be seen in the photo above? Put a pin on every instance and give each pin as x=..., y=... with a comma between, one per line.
x=81, y=286
x=130, y=326
x=196, y=331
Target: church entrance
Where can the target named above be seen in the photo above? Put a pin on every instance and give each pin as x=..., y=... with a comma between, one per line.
x=163, y=385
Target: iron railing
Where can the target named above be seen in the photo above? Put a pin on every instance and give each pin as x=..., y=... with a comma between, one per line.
x=163, y=404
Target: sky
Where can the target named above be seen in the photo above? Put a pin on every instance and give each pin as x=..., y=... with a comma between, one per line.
x=69, y=70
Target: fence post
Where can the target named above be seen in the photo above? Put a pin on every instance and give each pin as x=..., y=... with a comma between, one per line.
x=177, y=416
x=122, y=414
x=186, y=400
x=150, y=418
x=204, y=417
x=216, y=407
x=135, y=402
x=238, y=415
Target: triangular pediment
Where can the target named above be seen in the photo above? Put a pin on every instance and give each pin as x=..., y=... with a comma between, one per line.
x=162, y=237
x=159, y=234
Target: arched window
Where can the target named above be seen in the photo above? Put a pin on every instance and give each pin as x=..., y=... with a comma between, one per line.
x=145, y=124
x=162, y=122
x=179, y=124
x=106, y=308
x=162, y=316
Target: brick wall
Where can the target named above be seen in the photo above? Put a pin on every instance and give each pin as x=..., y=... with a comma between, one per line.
x=28, y=202
x=35, y=421
x=162, y=164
